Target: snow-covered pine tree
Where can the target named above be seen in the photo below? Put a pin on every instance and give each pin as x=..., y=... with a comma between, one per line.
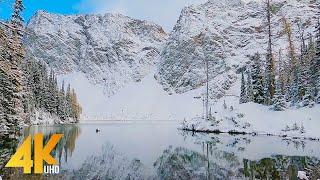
x=306, y=76
x=51, y=94
x=55, y=94
x=294, y=88
x=17, y=29
x=269, y=70
x=282, y=72
x=68, y=101
x=311, y=55
x=7, y=89
x=266, y=90
x=24, y=83
x=249, y=87
x=317, y=99
x=279, y=103
x=2, y=119
x=291, y=63
x=16, y=56
x=317, y=63
x=243, y=94
x=257, y=79
x=62, y=103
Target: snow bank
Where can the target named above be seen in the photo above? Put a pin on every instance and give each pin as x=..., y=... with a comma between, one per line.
x=230, y=116
x=41, y=117
x=145, y=100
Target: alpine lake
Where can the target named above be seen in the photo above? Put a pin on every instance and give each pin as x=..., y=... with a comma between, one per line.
x=159, y=150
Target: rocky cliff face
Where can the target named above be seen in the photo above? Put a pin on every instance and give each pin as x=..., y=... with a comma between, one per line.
x=224, y=33
x=110, y=49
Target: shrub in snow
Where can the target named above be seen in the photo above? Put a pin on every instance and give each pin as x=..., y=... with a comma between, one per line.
x=295, y=127
x=302, y=130
x=286, y=129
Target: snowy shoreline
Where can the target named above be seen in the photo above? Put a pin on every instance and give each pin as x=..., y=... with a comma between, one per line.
x=257, y=119
x=248, y=133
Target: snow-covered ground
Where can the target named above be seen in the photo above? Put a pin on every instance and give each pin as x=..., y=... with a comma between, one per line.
x=145, y=100
x=229, y=115
x=41, y=117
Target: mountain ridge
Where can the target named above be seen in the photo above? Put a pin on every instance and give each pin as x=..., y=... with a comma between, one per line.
x=101, y=46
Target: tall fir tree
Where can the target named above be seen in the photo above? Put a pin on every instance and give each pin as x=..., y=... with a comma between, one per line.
x=249, y=87
x=294, y=88
x=270, y=74
x=68, y=101
x=279, y=102
x=257, y=79
x=317, y=63
x=243, y=95
x=306, y=77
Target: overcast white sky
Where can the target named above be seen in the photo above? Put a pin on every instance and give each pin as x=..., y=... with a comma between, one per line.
x=162, y=12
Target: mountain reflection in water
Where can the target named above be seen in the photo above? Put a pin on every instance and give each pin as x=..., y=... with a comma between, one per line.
x=160, y=151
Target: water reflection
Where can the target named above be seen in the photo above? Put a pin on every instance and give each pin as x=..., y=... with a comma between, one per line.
x=280, y=167
x=182, y=163
x=66, y=145
x=137, y=151
x=64, y=148
x=109, y=164
x=8, y=146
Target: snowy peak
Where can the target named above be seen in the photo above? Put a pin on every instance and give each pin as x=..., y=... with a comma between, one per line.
x=225, y=33
x=111, y=49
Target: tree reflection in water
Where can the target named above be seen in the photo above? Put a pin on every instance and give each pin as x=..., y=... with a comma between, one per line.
x=279, y=167
x=66, y=147
x=202, y=156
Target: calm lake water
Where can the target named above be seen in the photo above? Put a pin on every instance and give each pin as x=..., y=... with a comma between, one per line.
x=158, y=150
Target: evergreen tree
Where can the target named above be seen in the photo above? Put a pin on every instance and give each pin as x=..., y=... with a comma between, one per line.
x=243, y=95
x=279, y=103
x=75, y=106
x=311, y=55
x=68, y=101
x=270, y=75
x=249, y=87
x=317, y=63
x=256, y=76
x=24, y=83
x=62, y=103
x=317, y=99
x=294, y=88
x=306, y=90
x=17, y=29
x=291, y=64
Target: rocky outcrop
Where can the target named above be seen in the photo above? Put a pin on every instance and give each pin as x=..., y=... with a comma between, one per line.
x=110, y=49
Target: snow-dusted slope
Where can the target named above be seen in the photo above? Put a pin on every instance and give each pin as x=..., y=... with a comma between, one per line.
x=225, y=33
x=109, y=49
x=145, y=100
x=254, y=118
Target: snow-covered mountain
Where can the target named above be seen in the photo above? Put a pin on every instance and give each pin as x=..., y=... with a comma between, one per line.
x=225, y=33
x=113, y=61
x=110, y=49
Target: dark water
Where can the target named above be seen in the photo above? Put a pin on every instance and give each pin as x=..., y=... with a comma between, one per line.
x=157, y=150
